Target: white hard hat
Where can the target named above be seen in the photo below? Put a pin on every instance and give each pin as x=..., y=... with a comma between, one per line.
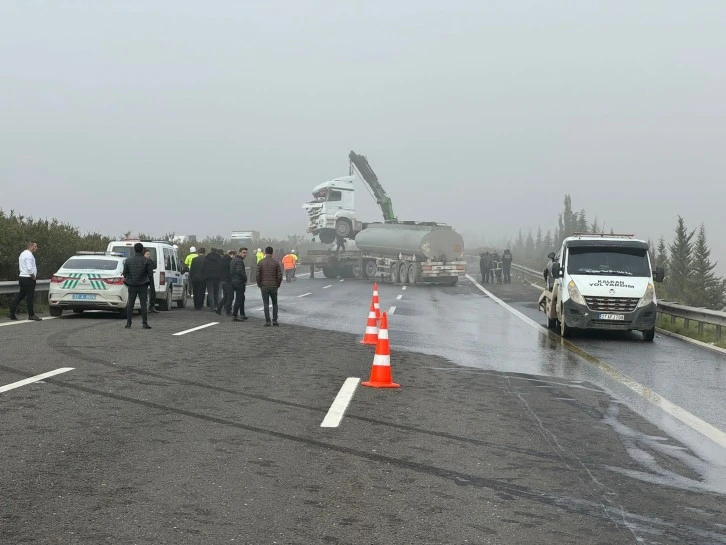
x=193, y=249
x=259, y=249
x=293, y=251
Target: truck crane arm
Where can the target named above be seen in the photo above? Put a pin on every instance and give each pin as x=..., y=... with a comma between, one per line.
x=359, y=163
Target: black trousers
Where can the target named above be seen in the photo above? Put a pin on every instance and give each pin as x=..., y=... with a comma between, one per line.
x=267, y=294
x=227, y=296
x=239, y=299
x=142, y=292
x=152, y=295
x=199, y=287
x=507, y=275
x=27, y=290
x=213, y=292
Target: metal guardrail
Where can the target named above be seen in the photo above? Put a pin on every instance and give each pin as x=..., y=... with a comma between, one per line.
x=8, y=288
x=702, y=316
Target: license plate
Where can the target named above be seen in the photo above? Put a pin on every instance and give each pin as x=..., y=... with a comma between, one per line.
x=612, y=317
x=84, y=296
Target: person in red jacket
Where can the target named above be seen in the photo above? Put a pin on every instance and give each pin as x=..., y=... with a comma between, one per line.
x=269, y=279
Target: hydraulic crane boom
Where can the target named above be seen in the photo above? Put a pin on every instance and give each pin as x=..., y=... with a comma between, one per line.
x=360, y=164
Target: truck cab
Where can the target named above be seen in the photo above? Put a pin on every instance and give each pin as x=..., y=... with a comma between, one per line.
x=602, y=282
x=331, y=213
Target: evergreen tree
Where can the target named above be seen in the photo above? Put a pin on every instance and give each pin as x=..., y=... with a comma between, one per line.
x=582, y=226
x=594, y=227
x=529, y=248
x=567, y=220
x=538, y=241
x=661, y=260
x=704, y=289
x=681, y=251
x=547, y=244
x=519, y=245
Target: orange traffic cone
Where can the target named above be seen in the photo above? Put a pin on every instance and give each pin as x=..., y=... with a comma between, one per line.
x=376, y=302
x=381, y=370
x=371, y=336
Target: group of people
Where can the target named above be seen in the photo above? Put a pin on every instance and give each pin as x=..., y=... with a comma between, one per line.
x=493, y=267
x=223, y=278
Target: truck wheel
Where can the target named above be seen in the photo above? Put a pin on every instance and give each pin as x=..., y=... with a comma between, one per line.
x=412, y=273
x=649, y=335
x=394, y=272
x=330, y=272
x=182, y=303
x=403, y=273
x=55, y=311
x=343, y=228
x=370, y=269
x=357, y=270
x=326, y=236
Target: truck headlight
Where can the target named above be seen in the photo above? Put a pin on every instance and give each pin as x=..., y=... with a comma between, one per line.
x=648, y=296
x=575, y=294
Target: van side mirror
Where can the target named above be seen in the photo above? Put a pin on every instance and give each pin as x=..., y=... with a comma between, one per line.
x=659, y=274
x=551, y=255
x=556, y=270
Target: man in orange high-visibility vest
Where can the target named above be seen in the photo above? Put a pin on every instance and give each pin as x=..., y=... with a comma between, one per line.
x=288, y=263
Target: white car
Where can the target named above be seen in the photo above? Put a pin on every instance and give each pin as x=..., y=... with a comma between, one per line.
x=89, y=281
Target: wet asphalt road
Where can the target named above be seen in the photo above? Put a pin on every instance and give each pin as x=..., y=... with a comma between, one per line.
x=214, y=436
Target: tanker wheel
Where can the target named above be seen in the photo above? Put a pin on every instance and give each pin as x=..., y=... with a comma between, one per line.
x=412, y=273
x=394, y=272
x=330, y=272
x=312, y=271
x=370, y=269
x=403, y=273
x=326, y=236
x=357, y=270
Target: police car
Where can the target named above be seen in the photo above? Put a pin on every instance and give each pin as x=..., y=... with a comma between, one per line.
x=89, y=281
x=169, y=280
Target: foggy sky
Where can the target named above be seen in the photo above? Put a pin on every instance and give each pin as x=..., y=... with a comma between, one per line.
x=207, y=117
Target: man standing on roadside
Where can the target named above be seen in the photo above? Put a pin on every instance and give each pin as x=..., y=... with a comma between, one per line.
x=152, y=284
x=238, y=274
x=137, y=272
x=259, y=255
x=199, y=282
x=212, y=271
x=188, y=265
x=269, y=279
x=26, y=281
x=288, y=263
x=227, y=293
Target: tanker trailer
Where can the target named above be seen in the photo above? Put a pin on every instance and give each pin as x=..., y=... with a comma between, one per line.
x=411, y=252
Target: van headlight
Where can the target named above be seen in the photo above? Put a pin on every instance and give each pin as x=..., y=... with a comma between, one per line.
x=648, y=297
x=575, y=294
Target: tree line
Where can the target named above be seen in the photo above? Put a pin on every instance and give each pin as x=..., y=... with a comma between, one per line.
x=690, y=277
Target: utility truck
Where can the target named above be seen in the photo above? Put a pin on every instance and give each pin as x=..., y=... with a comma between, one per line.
x=406, y=252
x=601, y=281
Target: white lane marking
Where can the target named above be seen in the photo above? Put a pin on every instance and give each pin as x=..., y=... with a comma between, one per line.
x=305, y=294
x=328, y=286
x=27, y=321
x=391, y=311
x=342, y=279
x=261, y=308
x=36, y=378
x=340, y=404
x=210, y=324
x=701, y=426
x=399, y=297
x=403, y=288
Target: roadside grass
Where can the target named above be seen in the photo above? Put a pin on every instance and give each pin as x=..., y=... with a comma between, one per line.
x=678, y=326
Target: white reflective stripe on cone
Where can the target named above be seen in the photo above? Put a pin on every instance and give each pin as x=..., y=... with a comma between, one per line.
x=384, y=361
x=372, y=330
x=382, y=333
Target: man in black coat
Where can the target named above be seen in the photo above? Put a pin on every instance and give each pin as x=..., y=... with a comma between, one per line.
x=227, y=293
x=136, y=273
x=238, y=276
x=212, y=270
x=199, y=281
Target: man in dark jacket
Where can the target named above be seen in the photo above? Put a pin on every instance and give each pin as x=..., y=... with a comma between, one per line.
x=485, y=267
x=212, y=271
x=137, y=272
x=227, y=293
x=199, y=281
x=269, y=278
x=238, y=275
x=507, y=266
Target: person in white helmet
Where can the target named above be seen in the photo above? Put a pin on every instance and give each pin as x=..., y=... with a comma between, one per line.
x=260, y=255
x=188, y=265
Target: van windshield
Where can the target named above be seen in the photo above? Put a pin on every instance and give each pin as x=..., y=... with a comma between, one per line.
x=608, y=261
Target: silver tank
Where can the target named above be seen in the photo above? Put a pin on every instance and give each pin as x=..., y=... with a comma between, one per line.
x=435, y=242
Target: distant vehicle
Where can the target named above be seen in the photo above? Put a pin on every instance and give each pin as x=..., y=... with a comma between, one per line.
x=169, y=279
x=89, y=281
x=601, y=282
x=248, y=238
x=406, y=252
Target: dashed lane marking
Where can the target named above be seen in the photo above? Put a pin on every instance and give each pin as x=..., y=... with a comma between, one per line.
x=305, y=294
x=701, y=426
x=340, y=404
x=36, y=378
x=27, y=321
x=391, y=311
x=403, y=288
x=210, y=324
x=399, y=297
x=328, y=286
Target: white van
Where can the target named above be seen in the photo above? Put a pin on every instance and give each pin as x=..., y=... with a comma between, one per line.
x=169, y=280
x=602, y=282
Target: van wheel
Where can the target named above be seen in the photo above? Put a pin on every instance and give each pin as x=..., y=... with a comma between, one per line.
x=55, y=311
x=182, y=303
x=565, y=330
x=649, y=335
x=166, y=302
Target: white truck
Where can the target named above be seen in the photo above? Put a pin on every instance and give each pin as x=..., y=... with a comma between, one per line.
x=601, y=281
